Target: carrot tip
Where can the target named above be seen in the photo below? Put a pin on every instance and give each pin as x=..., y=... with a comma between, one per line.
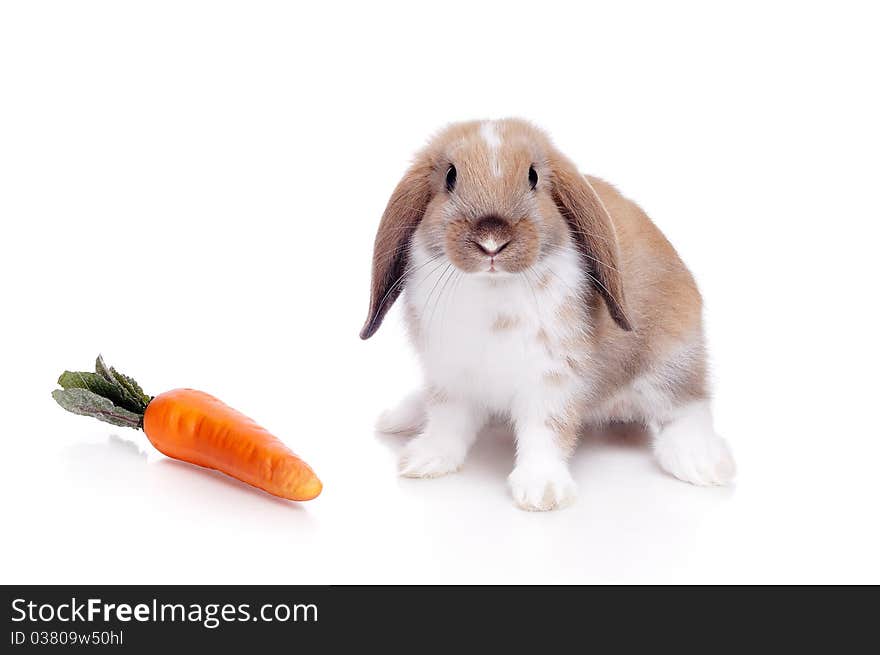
x=310, y=489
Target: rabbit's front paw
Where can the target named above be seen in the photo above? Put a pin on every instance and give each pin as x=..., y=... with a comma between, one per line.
x=430, y=456
x=542, y=486
x=701, y=459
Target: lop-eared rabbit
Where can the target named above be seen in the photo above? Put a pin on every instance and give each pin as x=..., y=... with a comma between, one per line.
x=542, y=296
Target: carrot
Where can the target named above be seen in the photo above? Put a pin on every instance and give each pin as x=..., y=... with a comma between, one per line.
x=192, y=426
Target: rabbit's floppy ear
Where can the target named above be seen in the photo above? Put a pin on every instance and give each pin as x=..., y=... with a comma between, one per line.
x=391, y=250
x=593, y=232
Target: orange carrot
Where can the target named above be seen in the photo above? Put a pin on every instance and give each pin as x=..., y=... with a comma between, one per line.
x=191, y=426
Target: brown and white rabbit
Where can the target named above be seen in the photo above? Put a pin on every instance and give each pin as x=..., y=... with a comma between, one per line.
x=542, y=296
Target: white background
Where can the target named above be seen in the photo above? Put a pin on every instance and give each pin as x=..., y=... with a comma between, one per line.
x=192, y=189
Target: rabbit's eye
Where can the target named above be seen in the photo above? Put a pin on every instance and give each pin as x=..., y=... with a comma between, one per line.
x=533, y=177
x=450, y=178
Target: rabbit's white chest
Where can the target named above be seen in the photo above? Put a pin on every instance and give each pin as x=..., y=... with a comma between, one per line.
x=492, y=341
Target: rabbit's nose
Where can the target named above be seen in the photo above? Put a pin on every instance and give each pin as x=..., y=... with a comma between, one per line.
x=492, y=235
x=489, y=246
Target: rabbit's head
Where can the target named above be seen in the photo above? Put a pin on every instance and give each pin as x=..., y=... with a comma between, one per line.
x=493, y=198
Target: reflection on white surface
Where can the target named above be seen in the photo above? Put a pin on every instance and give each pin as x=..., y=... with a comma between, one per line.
x=102, y=506
x=123, y=466
x=628, y=517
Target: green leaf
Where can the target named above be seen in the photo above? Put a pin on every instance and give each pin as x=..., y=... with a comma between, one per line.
x=97, y=384
x=87, y=403
x=132, y=387
x=103, y=370
x=134, y=396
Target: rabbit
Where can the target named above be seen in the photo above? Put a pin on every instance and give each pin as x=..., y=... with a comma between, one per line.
x=544, y=297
